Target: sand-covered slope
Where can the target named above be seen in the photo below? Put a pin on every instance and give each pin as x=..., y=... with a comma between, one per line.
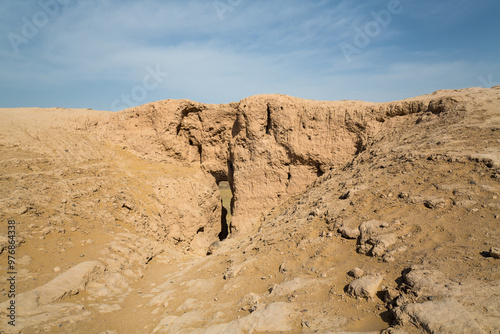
x=115, y=213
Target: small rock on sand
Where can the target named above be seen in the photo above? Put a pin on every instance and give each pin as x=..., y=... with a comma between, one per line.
x=495, y=252
x=365, y=287
x=356, y=272
x=349, y=233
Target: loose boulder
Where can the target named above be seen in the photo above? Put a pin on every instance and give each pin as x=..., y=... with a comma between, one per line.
x=365, y=287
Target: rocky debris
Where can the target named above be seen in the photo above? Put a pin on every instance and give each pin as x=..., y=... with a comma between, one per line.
x=46, y=230
x=321, y=323
x=292, y=286
x=125, y=252
x=426, y=283
x=447, y=317
x=356, y=272
x=38, y=305
x=435, y=203
x=276, y=317
x=390, y=294
x=349, y=233
x=250, y=303
x=112, y=284
x=124, y=257
x=370, y=229
x=50, y=315
x=236, y=268
x=390, y=256
x=177, y=324
x=69, y=283
x=376, y=237
x=495, y=252
x=464, y=203
x=436, y=304
x=214, y=246
x=345, y=195
x=283, y=268
x=128, y=250
x=365, y=287
x=189, y=213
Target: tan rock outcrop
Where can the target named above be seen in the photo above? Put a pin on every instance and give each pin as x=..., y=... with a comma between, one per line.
x=269, y=147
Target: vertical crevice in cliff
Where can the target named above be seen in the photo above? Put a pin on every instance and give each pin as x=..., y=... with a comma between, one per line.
x=360, y=147
x=226, y=198
x=224, y=226
x=269, y=124
x=230, y=179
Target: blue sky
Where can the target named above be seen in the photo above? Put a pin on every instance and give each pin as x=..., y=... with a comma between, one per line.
x=112, y=54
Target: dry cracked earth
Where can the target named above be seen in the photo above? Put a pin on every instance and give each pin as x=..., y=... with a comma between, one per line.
x=270, y=215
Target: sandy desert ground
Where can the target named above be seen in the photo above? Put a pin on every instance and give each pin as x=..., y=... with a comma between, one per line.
x=269, y=215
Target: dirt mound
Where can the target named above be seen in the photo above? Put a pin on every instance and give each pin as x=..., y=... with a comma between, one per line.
x=405, y=192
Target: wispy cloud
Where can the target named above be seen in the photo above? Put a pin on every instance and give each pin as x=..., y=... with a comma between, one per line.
x=93, y=51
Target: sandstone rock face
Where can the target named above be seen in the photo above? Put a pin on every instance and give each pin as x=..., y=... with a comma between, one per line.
x=441, y=317
x=436, y=304
x=269, y=147
x=86, y=173
x=177, y=130
x=282, y=144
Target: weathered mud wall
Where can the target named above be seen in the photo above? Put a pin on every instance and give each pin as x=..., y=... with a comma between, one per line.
x=269, y=147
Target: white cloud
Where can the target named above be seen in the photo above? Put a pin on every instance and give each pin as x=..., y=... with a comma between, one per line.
x=259, y=47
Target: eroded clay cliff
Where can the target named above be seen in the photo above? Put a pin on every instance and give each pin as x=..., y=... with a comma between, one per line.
x=269, y=147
